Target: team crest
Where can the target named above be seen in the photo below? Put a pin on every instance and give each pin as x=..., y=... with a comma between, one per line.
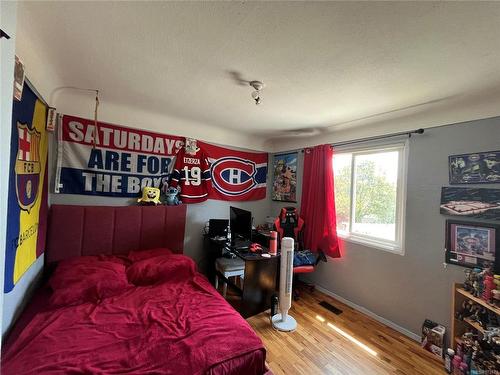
x=27, y=166
x=233, y=176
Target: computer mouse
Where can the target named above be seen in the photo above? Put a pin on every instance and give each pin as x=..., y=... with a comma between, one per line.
x=255, y=247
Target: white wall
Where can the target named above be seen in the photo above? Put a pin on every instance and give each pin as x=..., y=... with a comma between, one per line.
x=44, y=79
x=468, y=106
x=7, y=51
x=81, y=103
x=197, y=214
x=52, y=88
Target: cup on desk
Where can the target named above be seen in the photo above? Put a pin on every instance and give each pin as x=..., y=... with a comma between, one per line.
x=273, y=242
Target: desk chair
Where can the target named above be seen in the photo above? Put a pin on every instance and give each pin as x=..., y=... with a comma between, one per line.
x=290, y=224
x=228, y=268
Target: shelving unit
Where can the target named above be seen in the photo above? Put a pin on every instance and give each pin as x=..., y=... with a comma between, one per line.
x=458, y=327
x=477, y=300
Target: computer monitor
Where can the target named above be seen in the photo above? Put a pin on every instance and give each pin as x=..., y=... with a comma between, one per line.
x=240, y=222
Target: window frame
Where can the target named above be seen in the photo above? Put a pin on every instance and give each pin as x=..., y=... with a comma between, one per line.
x=398, y=245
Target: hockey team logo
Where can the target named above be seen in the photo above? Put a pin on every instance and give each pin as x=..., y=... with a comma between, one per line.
x=27, y=166
x=233, y=176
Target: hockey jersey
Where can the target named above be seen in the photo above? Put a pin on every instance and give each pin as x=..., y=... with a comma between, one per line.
x=192, y=174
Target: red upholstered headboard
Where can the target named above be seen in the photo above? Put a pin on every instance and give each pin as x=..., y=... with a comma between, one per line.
x=91, y=230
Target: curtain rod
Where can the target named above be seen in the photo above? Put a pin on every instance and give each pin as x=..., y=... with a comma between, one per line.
x=367, y=139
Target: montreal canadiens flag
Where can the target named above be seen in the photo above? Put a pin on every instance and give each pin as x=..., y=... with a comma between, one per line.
x=236, y=175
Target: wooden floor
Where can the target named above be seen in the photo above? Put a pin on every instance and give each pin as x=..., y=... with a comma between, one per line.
x=317, y=348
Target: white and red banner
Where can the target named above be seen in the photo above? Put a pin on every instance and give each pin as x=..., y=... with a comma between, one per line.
x=118, y=161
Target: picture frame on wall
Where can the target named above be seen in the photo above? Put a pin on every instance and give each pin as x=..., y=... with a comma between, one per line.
x=476, y=168
x=18, y=79
x=472, y=244
x=470, y=202
x=285, y=177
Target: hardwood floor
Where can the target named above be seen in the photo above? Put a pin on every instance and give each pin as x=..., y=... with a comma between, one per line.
x=320, y=347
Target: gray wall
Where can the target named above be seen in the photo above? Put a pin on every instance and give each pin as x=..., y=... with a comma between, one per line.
x=408, y=289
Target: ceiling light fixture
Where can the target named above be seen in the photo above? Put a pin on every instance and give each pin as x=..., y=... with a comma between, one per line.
x=258, y=86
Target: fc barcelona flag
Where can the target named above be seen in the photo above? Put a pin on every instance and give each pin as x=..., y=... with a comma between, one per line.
x=27, y=200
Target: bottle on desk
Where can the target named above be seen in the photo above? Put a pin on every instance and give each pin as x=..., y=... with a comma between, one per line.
x=273, y=242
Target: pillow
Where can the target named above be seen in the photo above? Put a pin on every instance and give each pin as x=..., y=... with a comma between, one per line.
x=86, y=279
x=135, y=256
x=120, y=259
x=150, y=271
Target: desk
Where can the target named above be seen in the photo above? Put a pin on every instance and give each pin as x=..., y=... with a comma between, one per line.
x=261, y=237
x=259, y=283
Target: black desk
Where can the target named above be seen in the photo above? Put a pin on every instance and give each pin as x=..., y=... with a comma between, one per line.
x=260, y=281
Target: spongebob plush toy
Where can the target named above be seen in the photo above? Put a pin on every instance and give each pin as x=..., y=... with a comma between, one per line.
x=150, y=196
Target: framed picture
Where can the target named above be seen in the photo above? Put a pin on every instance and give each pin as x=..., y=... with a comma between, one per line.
x=51, y=119
x=471, y=202
x=478, y=168
x=18, y=79
x=470, y=244
x=285, y=177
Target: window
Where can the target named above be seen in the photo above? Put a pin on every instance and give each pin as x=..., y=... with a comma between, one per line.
x=370, y=195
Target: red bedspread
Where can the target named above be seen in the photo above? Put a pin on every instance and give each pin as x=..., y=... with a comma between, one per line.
x=177, y=326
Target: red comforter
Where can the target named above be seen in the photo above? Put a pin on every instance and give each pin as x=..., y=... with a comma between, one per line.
x=178, y=325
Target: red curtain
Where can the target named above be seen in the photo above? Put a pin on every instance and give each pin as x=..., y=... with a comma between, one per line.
x=318, y=201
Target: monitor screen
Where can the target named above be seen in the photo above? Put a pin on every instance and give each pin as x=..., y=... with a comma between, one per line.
x=240, y=223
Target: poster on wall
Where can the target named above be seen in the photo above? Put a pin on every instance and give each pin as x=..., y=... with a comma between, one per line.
x=18, y=79
x=472, y=244
x=285, y=177
x=477, y=168
x=471, y=202
x=27, y=196
x=118, y=161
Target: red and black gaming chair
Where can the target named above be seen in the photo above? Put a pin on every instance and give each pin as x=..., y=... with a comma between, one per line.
x=290, y=224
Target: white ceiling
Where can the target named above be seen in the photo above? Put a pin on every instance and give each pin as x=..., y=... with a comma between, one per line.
x=327, y=66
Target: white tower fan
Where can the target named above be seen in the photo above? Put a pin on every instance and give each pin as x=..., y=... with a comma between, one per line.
x=282, y=321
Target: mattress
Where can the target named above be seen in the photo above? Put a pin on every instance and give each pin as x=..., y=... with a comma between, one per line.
x=180, y=325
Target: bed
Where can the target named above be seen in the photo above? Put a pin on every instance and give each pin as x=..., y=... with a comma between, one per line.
x=123, y=299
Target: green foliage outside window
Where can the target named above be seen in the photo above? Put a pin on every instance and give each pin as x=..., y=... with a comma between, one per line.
x=375, y=196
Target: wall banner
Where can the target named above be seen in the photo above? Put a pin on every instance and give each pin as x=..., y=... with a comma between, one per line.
x=119, y=161
x=27, y=197
x=236, y=175
x=113, y=161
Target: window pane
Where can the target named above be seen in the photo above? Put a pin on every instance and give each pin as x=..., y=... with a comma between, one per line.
x=342, y=185
x=375, y=194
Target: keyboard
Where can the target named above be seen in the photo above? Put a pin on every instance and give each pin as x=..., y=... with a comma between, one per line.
x=242, y=245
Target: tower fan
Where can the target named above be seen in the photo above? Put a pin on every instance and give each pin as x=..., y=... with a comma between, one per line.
x=282, y=321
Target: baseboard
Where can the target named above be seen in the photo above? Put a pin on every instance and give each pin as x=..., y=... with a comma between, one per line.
x=371, y=314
